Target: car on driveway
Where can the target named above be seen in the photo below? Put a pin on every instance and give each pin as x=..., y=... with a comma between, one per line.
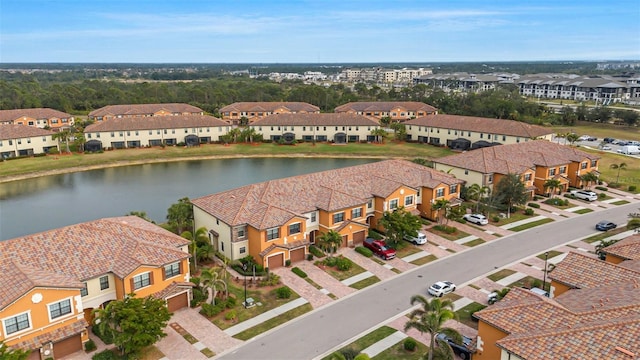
x=462, y=350
x=477, y=219
x=420, y=239
x=585, y=195
x=605, y=225
x=441, y=288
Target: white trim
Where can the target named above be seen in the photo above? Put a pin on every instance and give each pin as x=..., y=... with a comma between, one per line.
x=64, y=316
x=4, y=327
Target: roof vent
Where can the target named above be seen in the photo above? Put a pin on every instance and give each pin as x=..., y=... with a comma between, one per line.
x=625, y=351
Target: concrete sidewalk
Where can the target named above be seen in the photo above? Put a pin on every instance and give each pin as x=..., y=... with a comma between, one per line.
x=385, y=343
x=522, y=222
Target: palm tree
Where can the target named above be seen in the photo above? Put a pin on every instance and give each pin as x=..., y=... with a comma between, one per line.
x=64, y=136
x=439, y=205
x=211, y=281
x=430, y=318
x=621, y=166
x=477, y=192
x=331, y=239
x=380, y=134
x=198, y=241
x=589, y=178
x=553, y=185
x=573, y=138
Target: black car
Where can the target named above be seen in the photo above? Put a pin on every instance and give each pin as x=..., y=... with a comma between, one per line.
x=605, y=225
x=608, y=140
x=461, y=350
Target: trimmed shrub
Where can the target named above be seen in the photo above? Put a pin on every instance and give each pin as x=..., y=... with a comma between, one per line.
x=299, y=272
x=375, y=235
x=231, y=302
x=534, y=205
x=495, y=218
x=331, y=261
x=632, y=188
x=283, y=292
x=337, y=356
x=316, y=251
x=602, y=196
x=106, y=338
x=570, y=196
x=445, y=229
x=270, y=280
x=410, y=344
x=210, y=310
x=614, y=185
x=309, y=257
x=349, y=353
x=601, y=188
x=105, y=355
x=528, y=211
x=344, y=264
x=90, y=346
x=231, y=315
x=198, y=296
x=364, y=251
x=362, y=356
x=287, y=263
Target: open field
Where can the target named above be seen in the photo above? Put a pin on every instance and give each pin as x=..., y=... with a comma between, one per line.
x=601, y=130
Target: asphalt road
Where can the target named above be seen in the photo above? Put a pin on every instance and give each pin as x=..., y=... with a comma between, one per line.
x=323, y=329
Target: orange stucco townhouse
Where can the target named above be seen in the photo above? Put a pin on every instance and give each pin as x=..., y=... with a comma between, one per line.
x=276, y=221
x=52, y=281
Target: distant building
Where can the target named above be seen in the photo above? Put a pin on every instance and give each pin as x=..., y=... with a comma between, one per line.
x=337, y=128
x=143, y=110
x=37, y=117
x=23, y=140
x=253, y=111
x=465, y=82
x=128, y=132
x=602, y=89
x=396, y=110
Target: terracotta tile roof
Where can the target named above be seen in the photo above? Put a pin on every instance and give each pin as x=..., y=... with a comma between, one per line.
x=581, y=271
x=516, y=158
x=67, y=256
x=610, y=339
x=144, y=109
x=270, y=106
x=312, y=119
x=607, y=296
x=11, y=131
x=631, y=265
x=62, y=333
x=155, y=122
x=173, y=289
x=628, y=248
x=385, y=106
x=270, y=203
x=36, y=113
x=483, y=125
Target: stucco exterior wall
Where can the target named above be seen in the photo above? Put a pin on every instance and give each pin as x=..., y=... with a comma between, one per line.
x=451, y=134
x=146, y=136
x=35, y=143
x=486, y=344
x=314, y=131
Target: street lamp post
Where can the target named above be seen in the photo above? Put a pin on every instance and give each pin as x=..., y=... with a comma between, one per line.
x=544, y=281
x=244, y=267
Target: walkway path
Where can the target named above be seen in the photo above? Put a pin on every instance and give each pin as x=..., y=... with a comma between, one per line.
x=524, y=221
x=315, y=296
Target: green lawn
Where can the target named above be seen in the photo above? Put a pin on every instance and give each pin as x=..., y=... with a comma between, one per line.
x=424, y=260
x=531, y=224
x=583, y=211
x=343, y=275
x=365, y=282
x=464, y=314
x=619, y=202
x=604, y=235
x=397, y=352
x=368, y=340
x=173, y=153
x=473, y=243
x=273, y=322
x=501, y=274
x=552, y=254
x=458, y=234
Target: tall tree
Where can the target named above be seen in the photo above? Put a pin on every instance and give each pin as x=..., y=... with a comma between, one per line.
x=7, y=353
x=141, y=215
x=477, y=193
x=198, y=240
x=134, y=323
x=511, y=191
x=572, y=138
x=439, y=205
x=621, y=166
x=380, y=134
x=430, y=318
x=399, y=224
x=213, y=282
x=180, y=215
x=553, y=185
x=63, y=136
x=589, y=178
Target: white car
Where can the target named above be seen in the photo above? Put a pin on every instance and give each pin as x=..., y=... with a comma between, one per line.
x=421, y=239
x=585, y=195
x=477, y=219
x=441, y=288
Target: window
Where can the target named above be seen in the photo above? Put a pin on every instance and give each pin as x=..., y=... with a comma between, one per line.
x=294, y=228
x=393, y=204
x=241, y=233
x=552, y=172
x=338, y=217
x=104, y=282
x=408, y=200
x=466, y=172
x=594, y=163
x=273, y=233
x=453, y=189
x=141, y=281
x=563, y=169
x=440, y=192
x=243, y=250
x=313, y=217
x=172, y=270
x=583, y=165
x=490, y=179
x=504, y=138
x=84, y=291
x=60, y=308
x=16, y=323
x=527, y=177
x=356, y=213
x=369, y=204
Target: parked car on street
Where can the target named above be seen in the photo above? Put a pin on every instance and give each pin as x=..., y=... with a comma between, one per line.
x=477, y=219
x=606, y=147
x=608, y=140
x=420, y=239
x=441, y=288
x=380, y=248
x=584, y=195
x=462, y=350
x=629, y=150
x=605, y=225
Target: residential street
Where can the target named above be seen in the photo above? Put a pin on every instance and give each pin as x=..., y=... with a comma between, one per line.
x=336, y=323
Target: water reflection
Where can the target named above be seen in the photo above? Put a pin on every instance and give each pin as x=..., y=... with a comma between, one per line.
x=34, y=205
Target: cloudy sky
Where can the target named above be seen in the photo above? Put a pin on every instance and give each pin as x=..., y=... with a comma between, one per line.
x=317, y=31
